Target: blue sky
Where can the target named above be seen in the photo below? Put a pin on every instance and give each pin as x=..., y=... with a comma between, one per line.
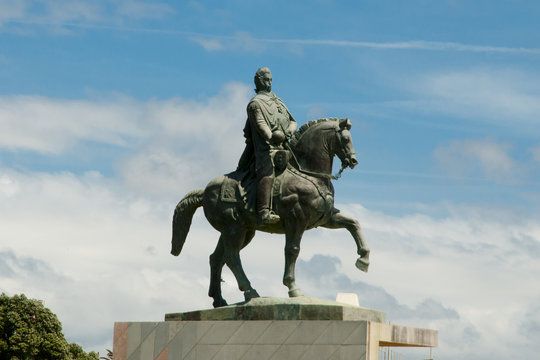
x=112, y=110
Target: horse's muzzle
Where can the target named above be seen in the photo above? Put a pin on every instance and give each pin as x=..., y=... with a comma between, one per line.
x=353, y=162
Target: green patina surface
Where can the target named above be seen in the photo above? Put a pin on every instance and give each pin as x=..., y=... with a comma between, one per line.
x=298, y=308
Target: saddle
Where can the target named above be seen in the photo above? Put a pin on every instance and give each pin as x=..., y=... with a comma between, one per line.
x=240, y=186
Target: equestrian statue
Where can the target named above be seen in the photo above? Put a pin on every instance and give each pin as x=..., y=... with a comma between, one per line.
x=282, y=185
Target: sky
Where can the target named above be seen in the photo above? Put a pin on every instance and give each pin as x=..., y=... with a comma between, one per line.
x=111, y=111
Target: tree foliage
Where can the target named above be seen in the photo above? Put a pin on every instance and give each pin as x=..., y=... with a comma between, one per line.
x=30, y=331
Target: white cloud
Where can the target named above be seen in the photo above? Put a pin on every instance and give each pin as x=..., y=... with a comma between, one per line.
x=192, y=142
x=69, y=10
x=241, y=40
x=208, y=44
x=251, y=43
x=476, y=157
x=175, y=143
x=94, y=13
x=496, y=96
x=98, y=253
x=316, y=112
x=141, y=9
x=54, y=125
x=535, y=152
x=62, y=13
x=78, y=232
x=12, y=10
x=325, y=277
x=247, y=42
x=50, y=11
x=406, y=45
x=469, y=260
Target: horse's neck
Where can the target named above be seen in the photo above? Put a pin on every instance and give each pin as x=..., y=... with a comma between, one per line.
x=313, y=153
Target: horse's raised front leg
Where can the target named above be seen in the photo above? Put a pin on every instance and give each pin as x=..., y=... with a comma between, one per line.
x=233, y=241
x=295, y=225
x=340, y=220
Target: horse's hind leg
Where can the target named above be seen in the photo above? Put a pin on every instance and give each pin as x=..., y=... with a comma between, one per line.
x=249, y=236
x=340, y=220
x=233, y=242
x=216, y=265
x=295, y=225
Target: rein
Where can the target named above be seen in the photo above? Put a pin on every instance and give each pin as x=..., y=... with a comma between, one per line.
x=315, y=173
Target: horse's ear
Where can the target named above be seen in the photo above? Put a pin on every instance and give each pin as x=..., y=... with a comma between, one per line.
x=345, y=123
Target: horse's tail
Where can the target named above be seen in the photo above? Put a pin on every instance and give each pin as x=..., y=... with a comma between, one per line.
x=183, y=214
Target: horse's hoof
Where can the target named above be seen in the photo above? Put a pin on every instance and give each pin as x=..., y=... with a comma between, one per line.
x=362, y=264
x=219, y=303
x=295, y=293
x=251, y=294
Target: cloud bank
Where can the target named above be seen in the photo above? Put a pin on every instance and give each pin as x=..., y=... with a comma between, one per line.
x=61, y=12
x=496, y=96
x=486, y=158
x=161, y=140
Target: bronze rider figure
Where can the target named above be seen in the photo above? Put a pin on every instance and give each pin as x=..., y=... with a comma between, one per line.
x=268, y=126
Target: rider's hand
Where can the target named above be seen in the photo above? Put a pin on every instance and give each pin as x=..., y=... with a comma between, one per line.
x=278, y=137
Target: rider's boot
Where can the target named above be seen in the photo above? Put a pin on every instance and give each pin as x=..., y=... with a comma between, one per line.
x=264, y=194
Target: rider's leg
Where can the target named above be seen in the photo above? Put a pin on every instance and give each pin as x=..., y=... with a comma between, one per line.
x=265, y=180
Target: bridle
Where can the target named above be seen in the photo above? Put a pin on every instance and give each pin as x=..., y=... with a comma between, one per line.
x=344, y=165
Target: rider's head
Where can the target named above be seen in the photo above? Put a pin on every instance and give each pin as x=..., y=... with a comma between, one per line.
x=263, y=79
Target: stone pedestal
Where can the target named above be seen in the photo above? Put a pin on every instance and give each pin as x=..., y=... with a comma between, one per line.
x=297, y=308
x=305, y=329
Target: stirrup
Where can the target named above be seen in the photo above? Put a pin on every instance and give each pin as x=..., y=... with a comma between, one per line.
x=267, y=217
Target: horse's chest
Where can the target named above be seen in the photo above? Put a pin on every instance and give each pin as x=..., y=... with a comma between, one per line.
x=327, y=203
x=324, y=205
x=314, y=195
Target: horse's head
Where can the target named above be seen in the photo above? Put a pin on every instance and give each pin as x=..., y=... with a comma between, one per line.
x=315, y=144
x=345, y=149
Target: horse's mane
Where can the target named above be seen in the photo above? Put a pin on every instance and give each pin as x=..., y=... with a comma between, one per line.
x=298, y=134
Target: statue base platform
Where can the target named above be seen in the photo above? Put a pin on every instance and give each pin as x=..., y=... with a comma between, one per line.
x=297, y=308
x=267, y=328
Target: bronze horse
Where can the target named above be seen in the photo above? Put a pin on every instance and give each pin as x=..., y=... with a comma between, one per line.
x=305, y=201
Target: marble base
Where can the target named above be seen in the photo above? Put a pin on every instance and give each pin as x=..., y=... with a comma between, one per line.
x=261, y=340
x=267, y=328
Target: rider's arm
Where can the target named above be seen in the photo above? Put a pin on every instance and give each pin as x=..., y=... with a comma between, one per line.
x=257, y=119
x=291, y=129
